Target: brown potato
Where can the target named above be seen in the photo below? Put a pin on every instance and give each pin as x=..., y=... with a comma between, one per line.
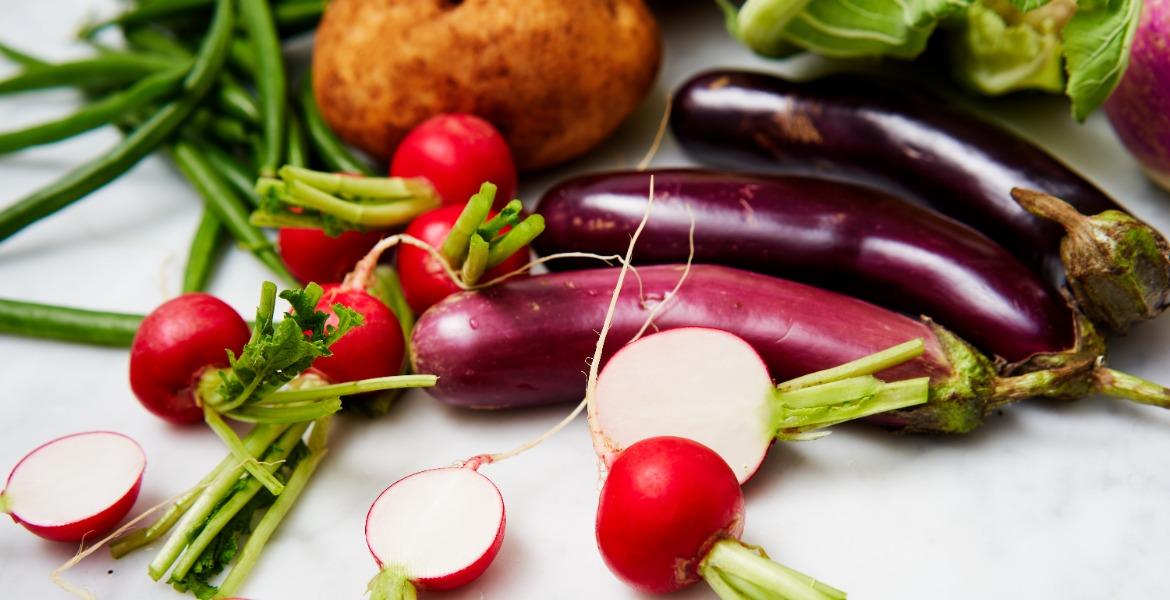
x=555, y=76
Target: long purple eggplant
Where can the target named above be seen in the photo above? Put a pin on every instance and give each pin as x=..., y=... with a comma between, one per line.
x=831, y=234
x=527, y=341
x=877, y=133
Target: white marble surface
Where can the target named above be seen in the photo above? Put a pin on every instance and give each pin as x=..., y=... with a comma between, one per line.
x=1047, y=501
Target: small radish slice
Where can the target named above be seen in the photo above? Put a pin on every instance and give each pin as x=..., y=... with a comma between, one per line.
x=437, y=529
x=77, y=486
x=710, y=386
x=702, y=384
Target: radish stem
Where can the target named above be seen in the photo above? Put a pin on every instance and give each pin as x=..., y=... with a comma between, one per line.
x=477, y=259
x=834, y=402
x=279, y=509
x=354, y=387
x=392, y=583
x=236, y=447
x=518, y=237
x=382, y=188
x=255, y=442
x=240, y=497
x=730, y=564
x=141, y=537
x=867, y=365
x=508, y=216
x=455, y=247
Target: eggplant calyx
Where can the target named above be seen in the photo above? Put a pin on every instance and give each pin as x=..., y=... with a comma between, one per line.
x=1118, y=267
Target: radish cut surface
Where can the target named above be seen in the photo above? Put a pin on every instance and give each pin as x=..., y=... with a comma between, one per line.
x=77, y=485
x=702, y=384
x=442, y=527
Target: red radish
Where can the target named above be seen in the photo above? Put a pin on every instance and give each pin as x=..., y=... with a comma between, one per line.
x=437, y=529
x=712, y=386
x=313, y=255
x=175, y=344
x=373, y=349
x=424, y=281
x=671, y=512
x=75, y=487
x=457, y=153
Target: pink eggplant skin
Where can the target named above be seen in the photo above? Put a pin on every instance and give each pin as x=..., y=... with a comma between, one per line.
x=527, y=341
x=1139, y=109
x=876, y=133
x=854, y=239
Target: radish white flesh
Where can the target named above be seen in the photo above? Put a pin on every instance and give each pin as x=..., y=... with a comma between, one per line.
x=76, y=486
x=710, y=386
x=702, y=384
x=439, y=528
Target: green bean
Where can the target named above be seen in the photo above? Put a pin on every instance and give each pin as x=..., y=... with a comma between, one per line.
x=205, y=248
x=240, y=178
x=298, y=12
x=142, y=141
x=298, y=151
x=226, y=205
x=330, y=149
x=230, y=96
x=105, y=69
x=21, y=58
x=241, y=57
x=95, y=114
x=256, y=17
x=68, y=324
x=146, y=13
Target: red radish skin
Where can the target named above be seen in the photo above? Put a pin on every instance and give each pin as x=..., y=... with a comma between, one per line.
x=424, y=281
x=373, y=349
x=313, y=255
x=69, y=469
x=666, y=501
x=437, y=529
x=457, y=153
x=174, y=345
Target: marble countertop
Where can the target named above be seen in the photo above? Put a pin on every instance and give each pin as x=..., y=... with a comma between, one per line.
x=1049, y=500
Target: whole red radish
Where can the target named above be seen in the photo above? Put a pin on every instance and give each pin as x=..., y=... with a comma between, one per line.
x=456, y=153
x=671, y=512
x=373, y=349
x=313, y=255
x=424, y=281
x=175, y=344
x=75, y=487
x=437, y=529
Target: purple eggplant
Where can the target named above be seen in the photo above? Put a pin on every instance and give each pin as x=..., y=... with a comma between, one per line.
x=831, y=234
x=877, y=133
x=527, y=341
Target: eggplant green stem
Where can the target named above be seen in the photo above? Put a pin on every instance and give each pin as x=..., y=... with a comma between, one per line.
x=236, y=446
x=354, y=387
x=1130, y=387
x=276, y=513
x=261, y=437
x=737, y=572
x=227, y=511
x=455, y=247
x=392, y=583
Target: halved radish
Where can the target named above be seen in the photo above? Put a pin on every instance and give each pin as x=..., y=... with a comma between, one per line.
x=437, y=529
x=710, y=386
x=74, y=487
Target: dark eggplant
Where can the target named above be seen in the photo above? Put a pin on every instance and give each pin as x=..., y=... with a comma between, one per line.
x=831, y=234
x=877, y=133
x=527, y=341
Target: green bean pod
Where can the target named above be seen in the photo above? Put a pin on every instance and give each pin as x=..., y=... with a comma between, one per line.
x=256, y=17
x=68, y=324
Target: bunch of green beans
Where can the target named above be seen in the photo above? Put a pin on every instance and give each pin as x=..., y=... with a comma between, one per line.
x=215, y=100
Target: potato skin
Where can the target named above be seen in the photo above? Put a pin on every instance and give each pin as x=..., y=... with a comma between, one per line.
x=555, y=76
